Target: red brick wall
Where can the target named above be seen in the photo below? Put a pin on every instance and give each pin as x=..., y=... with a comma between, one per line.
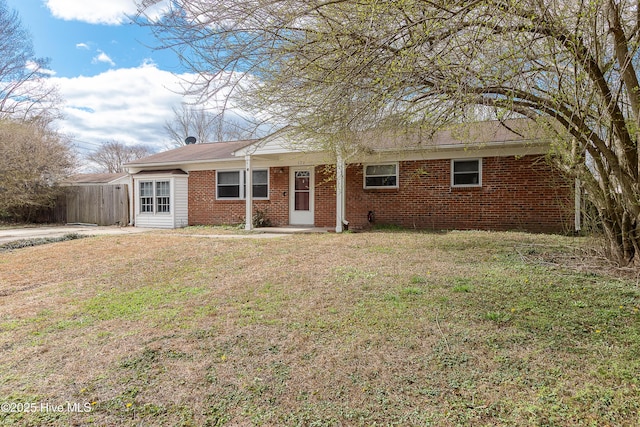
x=204, y=209
x=517, y=194
x=325, y=200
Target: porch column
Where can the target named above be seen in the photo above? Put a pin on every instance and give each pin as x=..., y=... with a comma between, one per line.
x=248, y=197
x=340, y=192
x=132, y=201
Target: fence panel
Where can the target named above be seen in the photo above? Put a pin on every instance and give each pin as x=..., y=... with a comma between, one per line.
x=98, y=204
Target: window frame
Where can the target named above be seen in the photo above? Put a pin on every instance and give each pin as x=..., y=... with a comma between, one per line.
x=156, y=200
x=453, y=173
x=147, y=205
x=163, y=201
x=239, y=184
x=374, y=187
x=242, y=184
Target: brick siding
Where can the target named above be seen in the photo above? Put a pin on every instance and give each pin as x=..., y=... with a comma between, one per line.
x=204, y=209
x=523, y=193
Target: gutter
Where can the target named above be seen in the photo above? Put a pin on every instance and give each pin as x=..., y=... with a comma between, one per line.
x=175, y=165
x=465, y=146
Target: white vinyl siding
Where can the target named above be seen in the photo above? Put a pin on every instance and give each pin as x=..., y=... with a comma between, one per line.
x=169, y=195
x=180, y=202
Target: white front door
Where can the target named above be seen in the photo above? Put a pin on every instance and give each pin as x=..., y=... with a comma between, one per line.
x=301, y=196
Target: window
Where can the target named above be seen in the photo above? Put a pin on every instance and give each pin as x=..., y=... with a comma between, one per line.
x=260, y=184
x=146, y=197
x=381, y=176
x=155, y=196
x=466, y=173
x=231, y=184
x=162, y=196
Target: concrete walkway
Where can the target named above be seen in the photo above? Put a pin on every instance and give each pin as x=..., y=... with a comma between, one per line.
x=21, y=233
x=293, y=229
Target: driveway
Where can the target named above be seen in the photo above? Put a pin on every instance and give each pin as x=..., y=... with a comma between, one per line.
x=21, y=233
x=13, y=234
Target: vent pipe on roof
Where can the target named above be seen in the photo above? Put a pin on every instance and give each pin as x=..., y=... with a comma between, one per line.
x=190, y=140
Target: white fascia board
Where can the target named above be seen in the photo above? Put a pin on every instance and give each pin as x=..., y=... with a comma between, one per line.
x=185, y=166
x=497, y=149
x=158, y=176
x=266, y=161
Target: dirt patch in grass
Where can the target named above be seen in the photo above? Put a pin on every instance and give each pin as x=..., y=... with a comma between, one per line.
x=387, y=328
x=24, y=243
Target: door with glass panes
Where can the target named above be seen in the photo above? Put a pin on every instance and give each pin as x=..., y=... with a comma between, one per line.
x=301, y=196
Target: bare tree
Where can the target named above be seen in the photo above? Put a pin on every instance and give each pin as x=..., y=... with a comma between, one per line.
x=339, y=67
x=33, y=161
x=24, y=88
x=205, y=126
x=112, y=155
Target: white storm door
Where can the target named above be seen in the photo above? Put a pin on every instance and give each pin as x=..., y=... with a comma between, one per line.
x=301, y=196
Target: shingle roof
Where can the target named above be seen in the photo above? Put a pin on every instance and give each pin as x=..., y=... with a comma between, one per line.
x=516, y=130
x=194, y=152
x=519, y=131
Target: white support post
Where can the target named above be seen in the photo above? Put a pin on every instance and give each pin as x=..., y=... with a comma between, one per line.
x=340, y=192
x=132, y=201
x=248, y=223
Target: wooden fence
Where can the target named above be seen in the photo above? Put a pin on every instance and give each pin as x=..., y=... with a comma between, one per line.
x=98, y=204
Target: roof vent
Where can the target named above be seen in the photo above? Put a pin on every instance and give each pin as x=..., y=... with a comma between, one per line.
x=190, y=140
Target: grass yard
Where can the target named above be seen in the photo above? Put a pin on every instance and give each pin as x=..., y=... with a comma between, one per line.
x=381, y=328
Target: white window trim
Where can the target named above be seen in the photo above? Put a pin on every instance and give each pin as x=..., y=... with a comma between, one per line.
x=364, y=175
x=154, y=196
x=242, y=187
x=479, y=184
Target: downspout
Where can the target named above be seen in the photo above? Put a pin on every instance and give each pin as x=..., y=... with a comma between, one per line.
x=340, y=192
x=248, y=222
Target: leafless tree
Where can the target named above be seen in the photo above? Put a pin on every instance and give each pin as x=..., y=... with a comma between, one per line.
x=33, y=162
x=340, y=67
x=112, y=155
x=204, y=125
x=25, y=91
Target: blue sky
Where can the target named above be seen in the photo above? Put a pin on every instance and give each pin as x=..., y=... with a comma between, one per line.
x=115, y=87
x=78, y=47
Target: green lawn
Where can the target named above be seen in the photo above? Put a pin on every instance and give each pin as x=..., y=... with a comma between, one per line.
x=381, y=328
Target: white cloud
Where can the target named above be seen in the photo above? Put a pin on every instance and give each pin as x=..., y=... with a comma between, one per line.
x=111, y=12
x=33, y=66
x=84, y=46
x=126, y=105
x=103, y=57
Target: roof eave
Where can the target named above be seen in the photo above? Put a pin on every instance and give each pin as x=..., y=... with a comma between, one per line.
x=178, y=163
x=466, y=146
